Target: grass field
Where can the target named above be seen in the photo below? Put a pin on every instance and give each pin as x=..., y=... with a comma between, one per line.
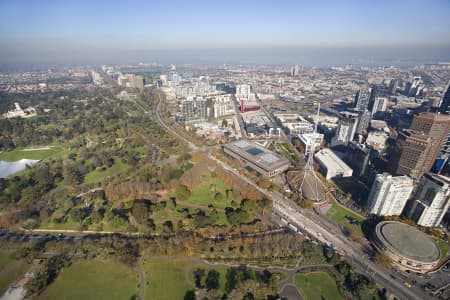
x=170, y=278
x=10, y=270
x=94, y=280
x=98, y=175
x=166, y=278
x=38, y=154
x=339, y=215
x=317, y=286
x=202, y=194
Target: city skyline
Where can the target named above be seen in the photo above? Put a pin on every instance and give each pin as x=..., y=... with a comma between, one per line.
x=250, y=32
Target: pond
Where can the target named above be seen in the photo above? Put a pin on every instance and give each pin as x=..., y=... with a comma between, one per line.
x=9, y=168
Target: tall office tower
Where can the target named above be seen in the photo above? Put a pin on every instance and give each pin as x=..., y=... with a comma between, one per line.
x=175, y=79
x=378, y=90
x=417, y=148
x=295, y=71
x=363, y=122
x=393, y=86
x=379, y=106
x=429, y=201
x=444, y=108
x=345, y=131
x=410, y=153
x=415, y=86
x=362, y=100
x=436, y=126
x=389, y=194
x=357, y=157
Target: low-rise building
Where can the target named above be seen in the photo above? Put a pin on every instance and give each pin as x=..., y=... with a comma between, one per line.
x=331, y=165
x=257, y=157
x=311, y=141
x=377, y=140
x=408, y=248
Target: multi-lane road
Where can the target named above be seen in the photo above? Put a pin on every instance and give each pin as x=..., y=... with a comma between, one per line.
x=321, y=230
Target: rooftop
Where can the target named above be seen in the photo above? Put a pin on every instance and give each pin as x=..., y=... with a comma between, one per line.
x=256, y=153
x=407, y=241
x=331, y=160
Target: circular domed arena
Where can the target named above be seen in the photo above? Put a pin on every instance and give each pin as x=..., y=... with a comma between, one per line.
x=407, y=247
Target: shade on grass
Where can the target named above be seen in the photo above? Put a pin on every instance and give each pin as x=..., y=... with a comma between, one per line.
x=170, y=278
x=340, y=215
x=203, y=194
x=98, y=175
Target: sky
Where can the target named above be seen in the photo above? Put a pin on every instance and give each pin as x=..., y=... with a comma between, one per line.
x=53, y=30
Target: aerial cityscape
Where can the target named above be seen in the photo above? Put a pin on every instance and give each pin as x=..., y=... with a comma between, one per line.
x=224, y=150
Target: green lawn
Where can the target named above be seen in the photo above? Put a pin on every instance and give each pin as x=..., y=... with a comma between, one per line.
x=94, y=280
x=338, y=214
x=203, y=193
x=5, y=259
x=443, y=247
x=317, y=286
x=10, y=270
x=98, y=175
x=18, y=154
x=166, y=278
x=69, y=225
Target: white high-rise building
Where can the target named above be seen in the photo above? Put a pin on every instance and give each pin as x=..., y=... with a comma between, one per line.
x=389, y=194
x=243, y=90
x=430, y=200
x=346, y=129
x=379, y=105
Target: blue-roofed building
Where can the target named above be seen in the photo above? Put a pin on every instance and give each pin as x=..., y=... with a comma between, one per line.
x=257, y=157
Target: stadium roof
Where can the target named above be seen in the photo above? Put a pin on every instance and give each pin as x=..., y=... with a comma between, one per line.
x=407, y=241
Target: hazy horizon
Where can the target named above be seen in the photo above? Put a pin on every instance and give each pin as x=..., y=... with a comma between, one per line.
x=322, y=33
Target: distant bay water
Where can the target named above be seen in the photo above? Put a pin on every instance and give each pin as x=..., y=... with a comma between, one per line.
x=308, y=57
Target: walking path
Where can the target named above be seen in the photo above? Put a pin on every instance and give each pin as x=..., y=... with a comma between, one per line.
x=141, y=279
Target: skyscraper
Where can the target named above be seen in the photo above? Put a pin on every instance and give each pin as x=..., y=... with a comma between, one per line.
x=379, y=106
x=430, y=200
x=295, y=71
x=444, y=108
x=363, y=122
x=416, y=149
x=409, y=154
x=345, y=131
x=436, y=126
x=378, y=90
x=357, y=157
x=389, y=194
x=415, y=86
x=362, y=100
x=393, y=86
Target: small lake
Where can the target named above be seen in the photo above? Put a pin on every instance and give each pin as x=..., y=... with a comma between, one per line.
x=9, y=168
